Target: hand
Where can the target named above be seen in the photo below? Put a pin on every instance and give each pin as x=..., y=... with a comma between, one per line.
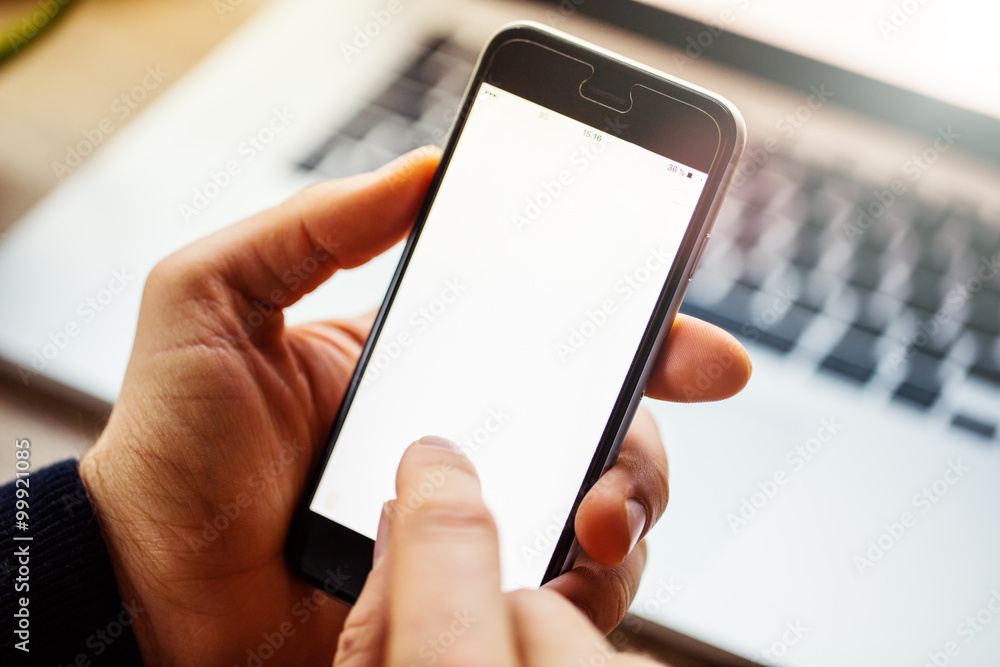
x=224, y=410
x=434, y=596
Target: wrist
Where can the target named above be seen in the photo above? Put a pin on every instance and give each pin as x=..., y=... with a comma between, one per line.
x=106, y=485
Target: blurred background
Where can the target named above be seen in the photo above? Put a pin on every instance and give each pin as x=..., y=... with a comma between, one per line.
x=48, y=95
x=844, y=508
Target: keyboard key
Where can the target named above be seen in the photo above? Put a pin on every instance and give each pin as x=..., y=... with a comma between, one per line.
x=990, y=265
x=393, y=136
x=879, y=235
x=966, y=225
x=929, y=219
x=875, y=311
x=931, y=334
x=347, y=157
x=814, y=288
x=922, y=385
x=458, y=68
x=439, y=111
x=812, y=180
x=926, y=289
x=937, y=253
x=361, y=124
x=763, y=189
x=866, y=270
x=729, y=313
x=983, y=427
x=750, y=227
x=784, y=335
x=809, y=246
x=986, y=364
x=756, y=268
x=313, y=160
x=984, y=313
x=854, y=356
x=430, y=67
x=727, y=223
x=984, y=238
x=822, y=210
x=404, y=98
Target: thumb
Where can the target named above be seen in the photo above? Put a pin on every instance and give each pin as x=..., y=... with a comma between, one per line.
x=284, y=253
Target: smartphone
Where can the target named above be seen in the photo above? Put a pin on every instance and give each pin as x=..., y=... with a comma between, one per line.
x=572, y=203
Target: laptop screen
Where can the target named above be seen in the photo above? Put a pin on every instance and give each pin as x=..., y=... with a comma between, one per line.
x=943, y=49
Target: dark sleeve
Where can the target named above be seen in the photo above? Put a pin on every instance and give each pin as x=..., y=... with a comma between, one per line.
x=74, y=614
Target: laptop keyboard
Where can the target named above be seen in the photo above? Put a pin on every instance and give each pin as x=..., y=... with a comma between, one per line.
x=415, y=110
x=870, y=287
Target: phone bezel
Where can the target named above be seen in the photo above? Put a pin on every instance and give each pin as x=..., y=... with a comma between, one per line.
x=307, y=547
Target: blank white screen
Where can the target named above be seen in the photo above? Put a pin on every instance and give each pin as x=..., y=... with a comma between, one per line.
x=516, y=321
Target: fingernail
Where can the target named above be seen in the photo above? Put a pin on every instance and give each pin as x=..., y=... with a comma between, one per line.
x=636, y=521
x=438, y=441
x=381, y=536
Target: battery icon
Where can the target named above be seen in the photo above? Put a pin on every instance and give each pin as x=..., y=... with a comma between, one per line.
x=690, y=174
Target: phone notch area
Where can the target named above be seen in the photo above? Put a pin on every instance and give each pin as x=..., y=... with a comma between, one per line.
x=610, y=87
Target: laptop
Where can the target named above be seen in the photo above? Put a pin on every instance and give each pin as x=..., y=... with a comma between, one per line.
x=844, y=508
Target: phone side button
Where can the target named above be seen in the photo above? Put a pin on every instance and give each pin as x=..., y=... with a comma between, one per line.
x=697, y=261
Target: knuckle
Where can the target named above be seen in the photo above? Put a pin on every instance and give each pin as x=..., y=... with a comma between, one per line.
x=661, y=486
x=618, y=596
x=308, y=195
x=312, y=197
x=420, y=458
x=452, y=514
x=533, y=600
x=180, y=270
x=650, y=477
x=541, y=603
x=354, y=644
x=623, y=587
x=164, y=272
x=423, y=471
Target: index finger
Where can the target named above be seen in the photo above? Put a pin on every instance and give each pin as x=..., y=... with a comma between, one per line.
x=444, y=564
